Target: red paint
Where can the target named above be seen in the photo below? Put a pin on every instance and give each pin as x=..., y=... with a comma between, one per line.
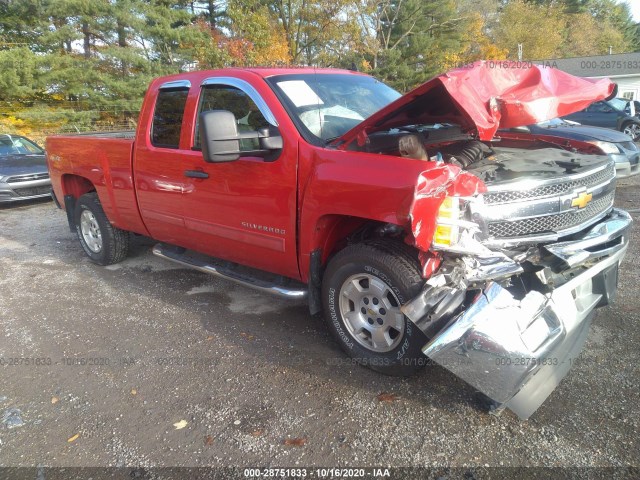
x=566, y=143
x=271, y=215
x=486, y=96
x=432, y=187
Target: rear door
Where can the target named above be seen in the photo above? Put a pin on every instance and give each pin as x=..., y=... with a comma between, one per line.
x=243, y=211
x=158, y=177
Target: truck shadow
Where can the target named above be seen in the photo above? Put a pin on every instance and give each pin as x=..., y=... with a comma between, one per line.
x=24, y=203
x=277, y=332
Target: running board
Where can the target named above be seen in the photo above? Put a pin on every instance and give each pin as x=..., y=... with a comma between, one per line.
x=273, y=284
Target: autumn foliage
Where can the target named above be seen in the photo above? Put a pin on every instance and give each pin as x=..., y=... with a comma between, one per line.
x=74, y=65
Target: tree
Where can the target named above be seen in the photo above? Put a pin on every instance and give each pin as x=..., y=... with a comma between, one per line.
x=413, y=38
x=539, y=28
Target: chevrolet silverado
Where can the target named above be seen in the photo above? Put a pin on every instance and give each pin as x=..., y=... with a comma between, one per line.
x=419, y=232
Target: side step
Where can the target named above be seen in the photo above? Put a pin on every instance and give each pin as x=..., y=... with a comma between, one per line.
x=256, y=279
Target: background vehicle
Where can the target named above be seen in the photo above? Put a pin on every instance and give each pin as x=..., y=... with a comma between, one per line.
x=308, y=183
x=603, y=141
x=23, y=170
x=605, y=114
x=630, y=107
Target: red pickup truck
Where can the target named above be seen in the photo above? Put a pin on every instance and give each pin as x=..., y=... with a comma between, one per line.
x=419, y=232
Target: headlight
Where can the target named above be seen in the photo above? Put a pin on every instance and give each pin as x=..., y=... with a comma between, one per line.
x=606, y=147
x=447, y=230
x=454, y=233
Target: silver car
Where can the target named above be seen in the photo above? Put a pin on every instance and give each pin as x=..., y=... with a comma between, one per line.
x=23, y=170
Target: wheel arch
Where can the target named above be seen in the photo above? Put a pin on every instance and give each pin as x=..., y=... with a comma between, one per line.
x=331, y=234
x=76, y=185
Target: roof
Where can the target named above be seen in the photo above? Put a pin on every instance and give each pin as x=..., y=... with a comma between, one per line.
x=598, y=65
x=271, y=71
x=263, y=72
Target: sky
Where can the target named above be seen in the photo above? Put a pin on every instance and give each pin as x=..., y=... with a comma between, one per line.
x=635, y=8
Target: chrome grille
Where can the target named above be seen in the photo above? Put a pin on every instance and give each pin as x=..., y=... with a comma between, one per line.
x=28, y=177
x=550, y=223
x=552, y=190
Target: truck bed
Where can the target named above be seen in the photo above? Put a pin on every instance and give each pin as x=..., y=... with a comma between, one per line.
x=80, y=162
x=128, y=134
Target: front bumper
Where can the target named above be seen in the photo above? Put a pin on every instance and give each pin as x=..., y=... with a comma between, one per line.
x=516, y=350
x=627, y=164
x=14, y=192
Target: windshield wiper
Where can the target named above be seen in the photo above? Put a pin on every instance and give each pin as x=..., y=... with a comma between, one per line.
x=331, y=139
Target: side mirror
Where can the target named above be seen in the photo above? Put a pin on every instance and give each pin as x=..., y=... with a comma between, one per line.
x=219, y=136
x=221, y=141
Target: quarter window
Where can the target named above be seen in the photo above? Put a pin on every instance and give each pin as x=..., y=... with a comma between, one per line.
x=167, y=118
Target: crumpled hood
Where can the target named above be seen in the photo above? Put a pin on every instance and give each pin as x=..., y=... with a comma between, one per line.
x=486, y=96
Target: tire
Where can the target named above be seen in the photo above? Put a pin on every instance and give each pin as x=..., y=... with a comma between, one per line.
x=633, y=130
x=103, y=243
x=363, y=288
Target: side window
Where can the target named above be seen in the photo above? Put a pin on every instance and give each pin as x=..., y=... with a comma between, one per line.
x=167, y=117
x=599, y=107
x=247, y=113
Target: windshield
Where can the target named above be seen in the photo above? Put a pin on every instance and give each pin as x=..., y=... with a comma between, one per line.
x=16, y=145
x=617, y=103
x=326, y=106
x=554, y=122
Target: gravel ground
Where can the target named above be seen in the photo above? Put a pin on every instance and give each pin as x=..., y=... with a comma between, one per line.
x=156, y=365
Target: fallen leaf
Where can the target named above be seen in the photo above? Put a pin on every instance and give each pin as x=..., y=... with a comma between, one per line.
x=54, y=400
x=295, y=442
x=180, y=425
x=74, y=438
x=210, y=338
x=208, y=440
x=387, y=397
x=257, y=433
x=134, y=391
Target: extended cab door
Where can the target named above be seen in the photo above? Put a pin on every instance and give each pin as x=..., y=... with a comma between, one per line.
x=245, y=210
x=158, y=172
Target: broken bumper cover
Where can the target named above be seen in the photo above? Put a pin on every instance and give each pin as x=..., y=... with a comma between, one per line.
x=517, y=350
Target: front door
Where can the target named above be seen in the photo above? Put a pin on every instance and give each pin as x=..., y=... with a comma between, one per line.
x=602, y=115
x=245, y=210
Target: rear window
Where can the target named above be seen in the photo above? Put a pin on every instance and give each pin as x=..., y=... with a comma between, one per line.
x=167, y=118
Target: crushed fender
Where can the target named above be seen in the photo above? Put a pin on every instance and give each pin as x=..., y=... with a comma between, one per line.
x=431, y=189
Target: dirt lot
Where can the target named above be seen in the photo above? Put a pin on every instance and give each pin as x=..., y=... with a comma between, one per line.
x=108, y=362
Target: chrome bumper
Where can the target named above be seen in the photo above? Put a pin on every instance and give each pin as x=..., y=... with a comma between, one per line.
x=516, y=351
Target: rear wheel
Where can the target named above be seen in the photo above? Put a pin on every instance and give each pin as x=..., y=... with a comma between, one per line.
x=633, y=130
x=103, y=243
x=364, y=287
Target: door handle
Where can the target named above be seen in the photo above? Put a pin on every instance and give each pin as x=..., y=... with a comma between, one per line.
x=195, y=174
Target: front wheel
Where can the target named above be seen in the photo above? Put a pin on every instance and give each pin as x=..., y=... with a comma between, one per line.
x=363, y=289
x=633, y=130
x=103, y=243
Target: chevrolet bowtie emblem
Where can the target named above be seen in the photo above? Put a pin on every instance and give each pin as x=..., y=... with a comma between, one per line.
x=582, y=200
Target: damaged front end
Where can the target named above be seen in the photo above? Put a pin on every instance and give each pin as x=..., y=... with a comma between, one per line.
x=508, y=309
